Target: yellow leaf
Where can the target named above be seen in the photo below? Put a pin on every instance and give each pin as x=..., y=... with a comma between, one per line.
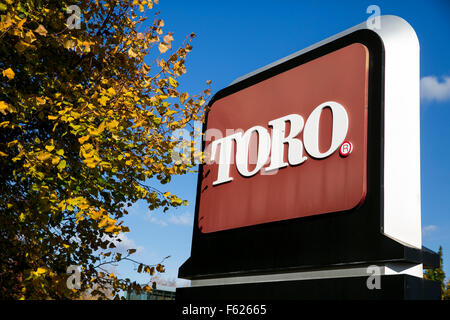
x=86, y=147
x=30, y=37
x=170, y=112
x=69, y=44
x=89, y=154
x=6, y=107
x=41, y=271
x=168, y=38
x=160, y=268
x=167, y=194
x=44, y=156
x=131, y=53
x=163, y=47
x=145, y=68
x=40, y=100
x=183, y=97
x=99, y=130
x=20, y=24
x=8, y=73
x=11, y=143
x=110, y=229
x=6, y=23
x=111, y=91
x=49, y=148
x=2, y=154
x=55, y=160
x=21, y=46
x=90, y=163
x=173, y=82
x=41, y=30
x=62, y=205
x=112, y=124
x=83, y=139
x=96, y=215
x=176, y=200
x=103, y=100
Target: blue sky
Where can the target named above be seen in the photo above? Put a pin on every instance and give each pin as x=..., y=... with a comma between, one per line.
x=236, y=37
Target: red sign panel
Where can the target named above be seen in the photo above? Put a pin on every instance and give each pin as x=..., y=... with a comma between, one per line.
x=325, y=102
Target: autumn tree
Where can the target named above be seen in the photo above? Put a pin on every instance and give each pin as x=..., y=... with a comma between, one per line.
x=438, y=274
x=88, y=103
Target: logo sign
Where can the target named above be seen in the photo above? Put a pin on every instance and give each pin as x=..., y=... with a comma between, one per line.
x=291, y=146
x=345, y=149
x=313, y=162
x=275, y=146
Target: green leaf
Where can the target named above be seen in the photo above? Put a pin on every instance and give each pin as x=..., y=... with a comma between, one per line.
x=61, y=165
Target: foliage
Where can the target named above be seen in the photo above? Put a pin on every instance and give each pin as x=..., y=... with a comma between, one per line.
x=446, y=293
x=85, y=124
x=438, y=274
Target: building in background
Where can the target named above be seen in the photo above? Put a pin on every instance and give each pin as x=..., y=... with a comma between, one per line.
x=160, y=293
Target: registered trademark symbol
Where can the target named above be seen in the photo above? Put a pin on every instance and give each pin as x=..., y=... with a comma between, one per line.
x=345, y=149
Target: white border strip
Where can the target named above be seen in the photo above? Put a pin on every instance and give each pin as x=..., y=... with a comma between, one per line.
x=388, y=269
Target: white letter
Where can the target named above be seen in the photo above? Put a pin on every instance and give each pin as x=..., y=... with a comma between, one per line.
x=243, y=150
x=373, y=281
x=225, y=156
x=373, y=22
x=339, y=132
x=197, y=137
x=74, y=21
x=208, y=136
x=73, y=281
x=295, y=146
x=181, y=153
